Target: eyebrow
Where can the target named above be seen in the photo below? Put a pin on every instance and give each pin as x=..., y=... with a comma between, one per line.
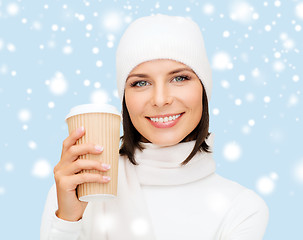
x=141, y=75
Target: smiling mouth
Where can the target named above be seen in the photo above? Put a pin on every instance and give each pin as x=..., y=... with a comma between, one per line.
x=164, y=119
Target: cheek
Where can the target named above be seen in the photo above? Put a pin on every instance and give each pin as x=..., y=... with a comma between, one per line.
x=193, y=99
x=134, y=104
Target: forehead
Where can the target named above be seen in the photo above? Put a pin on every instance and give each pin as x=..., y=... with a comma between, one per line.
x=158, y=65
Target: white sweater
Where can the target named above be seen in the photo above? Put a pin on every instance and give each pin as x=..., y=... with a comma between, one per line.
x=189, y=202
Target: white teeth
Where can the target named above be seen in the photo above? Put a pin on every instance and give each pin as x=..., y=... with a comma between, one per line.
x=166, y=119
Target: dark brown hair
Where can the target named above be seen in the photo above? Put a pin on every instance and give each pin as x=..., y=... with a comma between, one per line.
x=131, y=138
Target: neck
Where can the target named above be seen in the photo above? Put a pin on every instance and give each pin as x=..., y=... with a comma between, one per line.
x=159, y=165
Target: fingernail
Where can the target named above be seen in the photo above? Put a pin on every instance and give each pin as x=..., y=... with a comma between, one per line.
x=105, y=166
x=80, y=129
x=106, y=178
x=99, y=148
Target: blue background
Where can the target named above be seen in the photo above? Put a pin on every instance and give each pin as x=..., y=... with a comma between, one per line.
x=255, y=110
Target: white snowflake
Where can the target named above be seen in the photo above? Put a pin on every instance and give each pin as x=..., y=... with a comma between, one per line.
x=99, y=97
x=67, y=50
x=232, y=151
x=221, y=61
x=9, y=167
x=58, y=84
x=12, y=9
x=112, y=21
x=11, y=47
x=32, y=145
x=89, y=27
x=41, y=168
x=299, y=10
x=208, y=9
x=265, y=185
x=241, y=11
x=2, y=190
x=95, y=50
x=24, y=115
x=298, y=172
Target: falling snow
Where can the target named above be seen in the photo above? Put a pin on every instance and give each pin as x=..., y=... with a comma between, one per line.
x=58, y=84
x=12, y=9
x=41, y=168
x=24, y=115
x=265, y=185
x=232, y=151
x=298, y=172
x=241, y=12
x=64, y=55
x=99, y=96
x=222, y=61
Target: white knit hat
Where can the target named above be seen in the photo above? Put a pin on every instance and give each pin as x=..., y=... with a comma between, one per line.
x=162, y=37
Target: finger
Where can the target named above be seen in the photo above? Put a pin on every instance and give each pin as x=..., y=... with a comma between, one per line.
x=72, y=138
x=80, y=178
x=82, y=149
x=86, y=164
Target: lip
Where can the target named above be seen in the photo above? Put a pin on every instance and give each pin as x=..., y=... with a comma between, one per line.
x=168, y=124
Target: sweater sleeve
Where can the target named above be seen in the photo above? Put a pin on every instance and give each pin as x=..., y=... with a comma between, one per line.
x=54, y=228
x=246, y=219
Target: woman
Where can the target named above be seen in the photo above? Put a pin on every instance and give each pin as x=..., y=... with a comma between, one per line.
x=168, y=188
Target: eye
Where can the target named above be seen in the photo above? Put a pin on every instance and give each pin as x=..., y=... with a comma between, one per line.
x=181, y=78
x=139, y=84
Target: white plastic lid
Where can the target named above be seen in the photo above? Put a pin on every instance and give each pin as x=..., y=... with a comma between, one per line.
x=92, y=108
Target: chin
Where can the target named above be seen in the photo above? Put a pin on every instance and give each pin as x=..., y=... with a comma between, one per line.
x=165, y=142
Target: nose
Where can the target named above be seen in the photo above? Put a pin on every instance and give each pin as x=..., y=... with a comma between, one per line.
x=161, y=96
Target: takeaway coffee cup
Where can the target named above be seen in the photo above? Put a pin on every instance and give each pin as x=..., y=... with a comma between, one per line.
x=102, y=127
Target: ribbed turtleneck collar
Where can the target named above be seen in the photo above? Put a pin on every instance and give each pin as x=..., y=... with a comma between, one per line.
x=162, y=165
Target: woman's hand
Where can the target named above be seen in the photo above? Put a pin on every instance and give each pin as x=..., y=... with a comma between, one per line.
x=67, y=175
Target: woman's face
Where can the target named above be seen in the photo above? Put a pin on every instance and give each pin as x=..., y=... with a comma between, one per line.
x=164, y=101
